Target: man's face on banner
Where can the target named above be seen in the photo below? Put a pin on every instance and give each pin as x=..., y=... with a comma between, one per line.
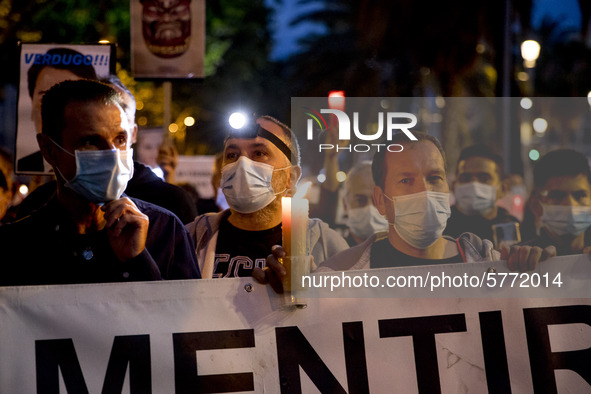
x=48, y=77
x=166, y=26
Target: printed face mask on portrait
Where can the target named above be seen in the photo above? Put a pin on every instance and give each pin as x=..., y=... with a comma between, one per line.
x=101, y=175
x=565, y=219
x=246, y=184
x=366, y=221
x=475, y=198
x=420, y=218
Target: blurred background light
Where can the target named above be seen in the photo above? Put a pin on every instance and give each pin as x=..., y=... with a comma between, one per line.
x=540, y=125
x=526, y=103
x=530, y=50
x=189, y=121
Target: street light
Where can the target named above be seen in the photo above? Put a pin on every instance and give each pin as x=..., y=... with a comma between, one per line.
x=530, y=50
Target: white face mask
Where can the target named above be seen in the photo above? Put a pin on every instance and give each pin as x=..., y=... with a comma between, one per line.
x=101, y=175
x=475, y=198
x=365, y=221
x=420, y=218
x=220, y=200
x=246, y=184
x=565, y=219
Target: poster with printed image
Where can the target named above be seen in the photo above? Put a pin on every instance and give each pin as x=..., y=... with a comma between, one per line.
x=167, y=38
x=42, y=66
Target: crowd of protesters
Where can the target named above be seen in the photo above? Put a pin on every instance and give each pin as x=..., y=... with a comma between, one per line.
x=108, y=218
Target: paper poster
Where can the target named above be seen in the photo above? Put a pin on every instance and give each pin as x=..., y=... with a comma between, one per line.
x=167, y=38
x=42, y=66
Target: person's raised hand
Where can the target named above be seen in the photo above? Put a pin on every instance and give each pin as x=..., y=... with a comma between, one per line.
x=127, y=228
x=525, y=258
x=274, y=271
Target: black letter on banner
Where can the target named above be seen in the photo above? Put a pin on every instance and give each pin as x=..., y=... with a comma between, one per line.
x=543, y=362
x=294, y=351
x=354, y=342
x=135, y=350
x=186, y=378
x=423, y=330
x=495, y=352
x=54, y=355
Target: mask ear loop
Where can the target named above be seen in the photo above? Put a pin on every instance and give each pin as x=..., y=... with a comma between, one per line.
x=59, y=146
x=280, y=169
x=56, y=167
x=392, y=200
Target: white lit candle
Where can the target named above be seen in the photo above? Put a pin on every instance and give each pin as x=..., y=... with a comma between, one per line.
x=294, y=226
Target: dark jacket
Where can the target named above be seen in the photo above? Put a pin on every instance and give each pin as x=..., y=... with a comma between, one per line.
x=45, y=248
x=459, y=223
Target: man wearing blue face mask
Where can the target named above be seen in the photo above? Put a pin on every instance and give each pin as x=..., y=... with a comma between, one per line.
x=260, y=165
x=412, y=193
x=477, y=188
x=562, y=202
x=88, y=232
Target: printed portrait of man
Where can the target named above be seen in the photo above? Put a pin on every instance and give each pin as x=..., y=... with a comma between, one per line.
x=56, y=65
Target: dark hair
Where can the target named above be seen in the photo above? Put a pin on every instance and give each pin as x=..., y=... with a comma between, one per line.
x=481, y=150
x=561, y=162
x=58, y=97
x=82, y=70
x=378, y=166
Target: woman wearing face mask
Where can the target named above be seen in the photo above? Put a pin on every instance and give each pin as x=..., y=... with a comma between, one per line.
x=562, y=203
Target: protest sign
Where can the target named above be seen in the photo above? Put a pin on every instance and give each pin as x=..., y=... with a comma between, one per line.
x=167, y=38
x=42, y=66
x=196, y=171
x=232, y=335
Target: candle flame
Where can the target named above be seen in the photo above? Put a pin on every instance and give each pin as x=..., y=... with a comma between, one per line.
x=301, y=192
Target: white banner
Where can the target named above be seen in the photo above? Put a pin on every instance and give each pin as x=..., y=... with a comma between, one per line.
x=232, y=335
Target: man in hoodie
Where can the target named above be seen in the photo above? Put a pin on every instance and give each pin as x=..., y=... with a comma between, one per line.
x=261, y=163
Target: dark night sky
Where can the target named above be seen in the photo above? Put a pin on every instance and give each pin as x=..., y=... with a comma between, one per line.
x=285, y=36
